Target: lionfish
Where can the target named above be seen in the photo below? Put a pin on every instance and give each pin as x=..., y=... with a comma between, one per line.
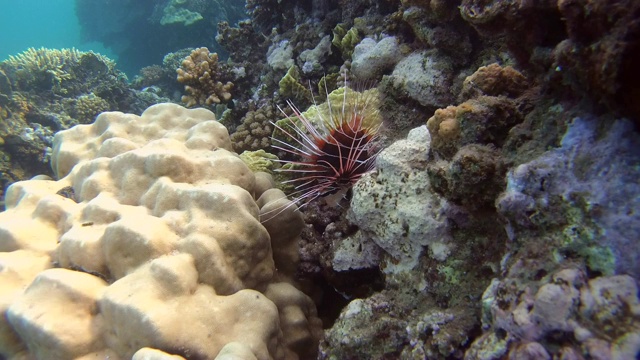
x=335, y=144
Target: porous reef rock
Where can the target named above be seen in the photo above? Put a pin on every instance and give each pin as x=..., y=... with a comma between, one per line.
x=394, y=209
x=600, y=314
x=151, y=245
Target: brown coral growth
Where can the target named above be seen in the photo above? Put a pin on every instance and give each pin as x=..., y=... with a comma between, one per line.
x=206, y=80
x=255, y=131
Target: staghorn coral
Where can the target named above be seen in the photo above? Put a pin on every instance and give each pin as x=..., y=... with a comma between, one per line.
x=46, y=67
x=44, y=60
x=155, y=222
x=205, y=79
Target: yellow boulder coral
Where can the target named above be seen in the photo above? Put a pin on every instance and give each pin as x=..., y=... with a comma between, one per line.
x=156, y=223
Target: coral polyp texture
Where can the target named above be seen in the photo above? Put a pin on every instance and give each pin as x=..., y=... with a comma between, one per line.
x=151, y=243
x=206, y=81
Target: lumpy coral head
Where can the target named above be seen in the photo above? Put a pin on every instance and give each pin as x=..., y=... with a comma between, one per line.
x=154, y=231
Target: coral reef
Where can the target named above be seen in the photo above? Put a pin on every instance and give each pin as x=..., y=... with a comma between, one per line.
x=506, y=227
x=175, y=12
x=415, y=222
x=246, y=53
x=205, y=79
x=425, y=77
x=426, y=308
x=582, y=197
x=495, y=105
x=438, y=25
x=290, y=87
x=345, y=40
x=267, y=14
x=473, y=178
x=527, y=321
x=280, y=56
x=47, y=90
x=48, y=68
x=260, y=160
x=311, y=60
x=87, y=107
x=155, y=222
x=255, y=131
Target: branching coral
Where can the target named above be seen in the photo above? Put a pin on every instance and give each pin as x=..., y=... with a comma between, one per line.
x=87, y=107
x=46, y=67
x=204, y=78
x=255, y=131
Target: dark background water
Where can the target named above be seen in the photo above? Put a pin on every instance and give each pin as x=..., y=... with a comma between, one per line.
x=130, y=32
x=42, y=23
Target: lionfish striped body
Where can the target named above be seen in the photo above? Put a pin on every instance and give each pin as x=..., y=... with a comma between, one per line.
x=334, y=150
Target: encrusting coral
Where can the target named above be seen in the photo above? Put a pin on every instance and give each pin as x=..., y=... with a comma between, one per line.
x=486, y=118
x=601, y=313
x=151, y=239
x=206, y=81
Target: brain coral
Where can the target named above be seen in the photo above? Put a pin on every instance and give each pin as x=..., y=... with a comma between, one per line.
x=151, y=243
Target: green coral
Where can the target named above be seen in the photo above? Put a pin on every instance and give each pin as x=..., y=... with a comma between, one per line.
x=365, y=104
x=581, y=234
x=290, y=87
x=345, y=40
x=327, y=83
x=260, y=160
x=452, y=272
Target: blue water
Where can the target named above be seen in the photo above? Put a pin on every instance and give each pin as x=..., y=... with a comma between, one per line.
x=41, y=23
